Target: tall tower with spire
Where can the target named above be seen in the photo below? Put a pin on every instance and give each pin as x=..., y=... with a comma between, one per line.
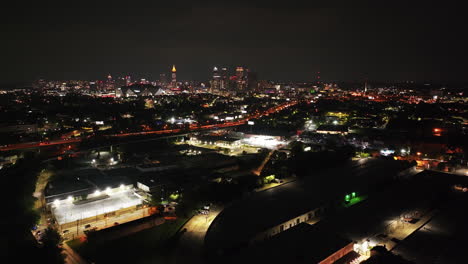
x=174, y=77
x=216, y=81
x=365, y=87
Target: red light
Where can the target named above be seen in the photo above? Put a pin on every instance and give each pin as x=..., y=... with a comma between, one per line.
x=437, y=130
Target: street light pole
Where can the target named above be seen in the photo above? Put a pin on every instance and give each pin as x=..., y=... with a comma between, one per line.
x=77, y=220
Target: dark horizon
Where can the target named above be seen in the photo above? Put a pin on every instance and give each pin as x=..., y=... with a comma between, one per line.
x=88, y=42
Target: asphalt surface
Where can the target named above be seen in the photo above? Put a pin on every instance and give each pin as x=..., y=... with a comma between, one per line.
x=190, y=246
x=443, y=239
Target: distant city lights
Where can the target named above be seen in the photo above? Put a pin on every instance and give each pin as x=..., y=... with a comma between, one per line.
x=386, y=152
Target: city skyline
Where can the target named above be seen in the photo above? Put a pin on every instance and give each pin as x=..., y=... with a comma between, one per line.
x=281, y=44
x=233, y=132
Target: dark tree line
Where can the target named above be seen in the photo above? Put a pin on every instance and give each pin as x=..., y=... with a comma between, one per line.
x=17, y=242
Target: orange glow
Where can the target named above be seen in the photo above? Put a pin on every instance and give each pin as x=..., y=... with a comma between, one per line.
x=436, y=130
x=418, y=153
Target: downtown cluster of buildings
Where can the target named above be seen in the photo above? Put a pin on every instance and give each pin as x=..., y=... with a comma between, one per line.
x=222, y=80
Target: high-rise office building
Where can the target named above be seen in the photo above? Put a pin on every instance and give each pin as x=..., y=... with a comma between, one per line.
x=224, y=78
x=109, y=83
x=162, y=79
x=240, y=73
x=251, y=80
x=120, y=82
x=174, y=77
x=216, y=81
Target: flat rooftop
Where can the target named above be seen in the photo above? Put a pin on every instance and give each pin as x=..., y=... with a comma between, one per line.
x=66, y=211
x=300, y=244
x=216, y=138
x=260, y=211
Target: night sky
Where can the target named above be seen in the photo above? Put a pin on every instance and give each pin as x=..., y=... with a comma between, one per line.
x=85, y=41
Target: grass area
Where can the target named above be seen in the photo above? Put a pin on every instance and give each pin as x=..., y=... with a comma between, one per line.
x=148, y=246
x=355, y=200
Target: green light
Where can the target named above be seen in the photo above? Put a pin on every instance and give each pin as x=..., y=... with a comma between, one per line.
x=270, y=178
x=347, y=198
x=174, y=196
x=353, y=194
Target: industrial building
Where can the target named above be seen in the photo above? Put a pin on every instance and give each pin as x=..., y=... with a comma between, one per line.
x=88, y=197
x=269, y=213
x=300, y=244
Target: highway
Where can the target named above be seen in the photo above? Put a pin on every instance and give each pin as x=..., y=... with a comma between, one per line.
x=39, y=144
x=154, y=132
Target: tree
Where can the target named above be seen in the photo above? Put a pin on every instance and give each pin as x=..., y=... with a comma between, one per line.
x=296, y=148
x=52, y=252
x=22, y=217
x=441, y=166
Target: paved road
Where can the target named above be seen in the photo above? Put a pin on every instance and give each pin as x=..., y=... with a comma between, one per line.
x=39, y=144
x=190, y=247
x=71, y=257
x=101, y=224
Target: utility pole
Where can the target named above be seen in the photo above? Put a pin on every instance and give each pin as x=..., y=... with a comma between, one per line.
x=77, y=220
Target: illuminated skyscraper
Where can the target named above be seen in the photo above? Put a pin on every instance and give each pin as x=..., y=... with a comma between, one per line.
x=224, y=78
x=240, y=78
x=174, y=77
x=162, y=79
x=216, y=81
x=251, y=80
x=109, y=83
x=120, y=82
